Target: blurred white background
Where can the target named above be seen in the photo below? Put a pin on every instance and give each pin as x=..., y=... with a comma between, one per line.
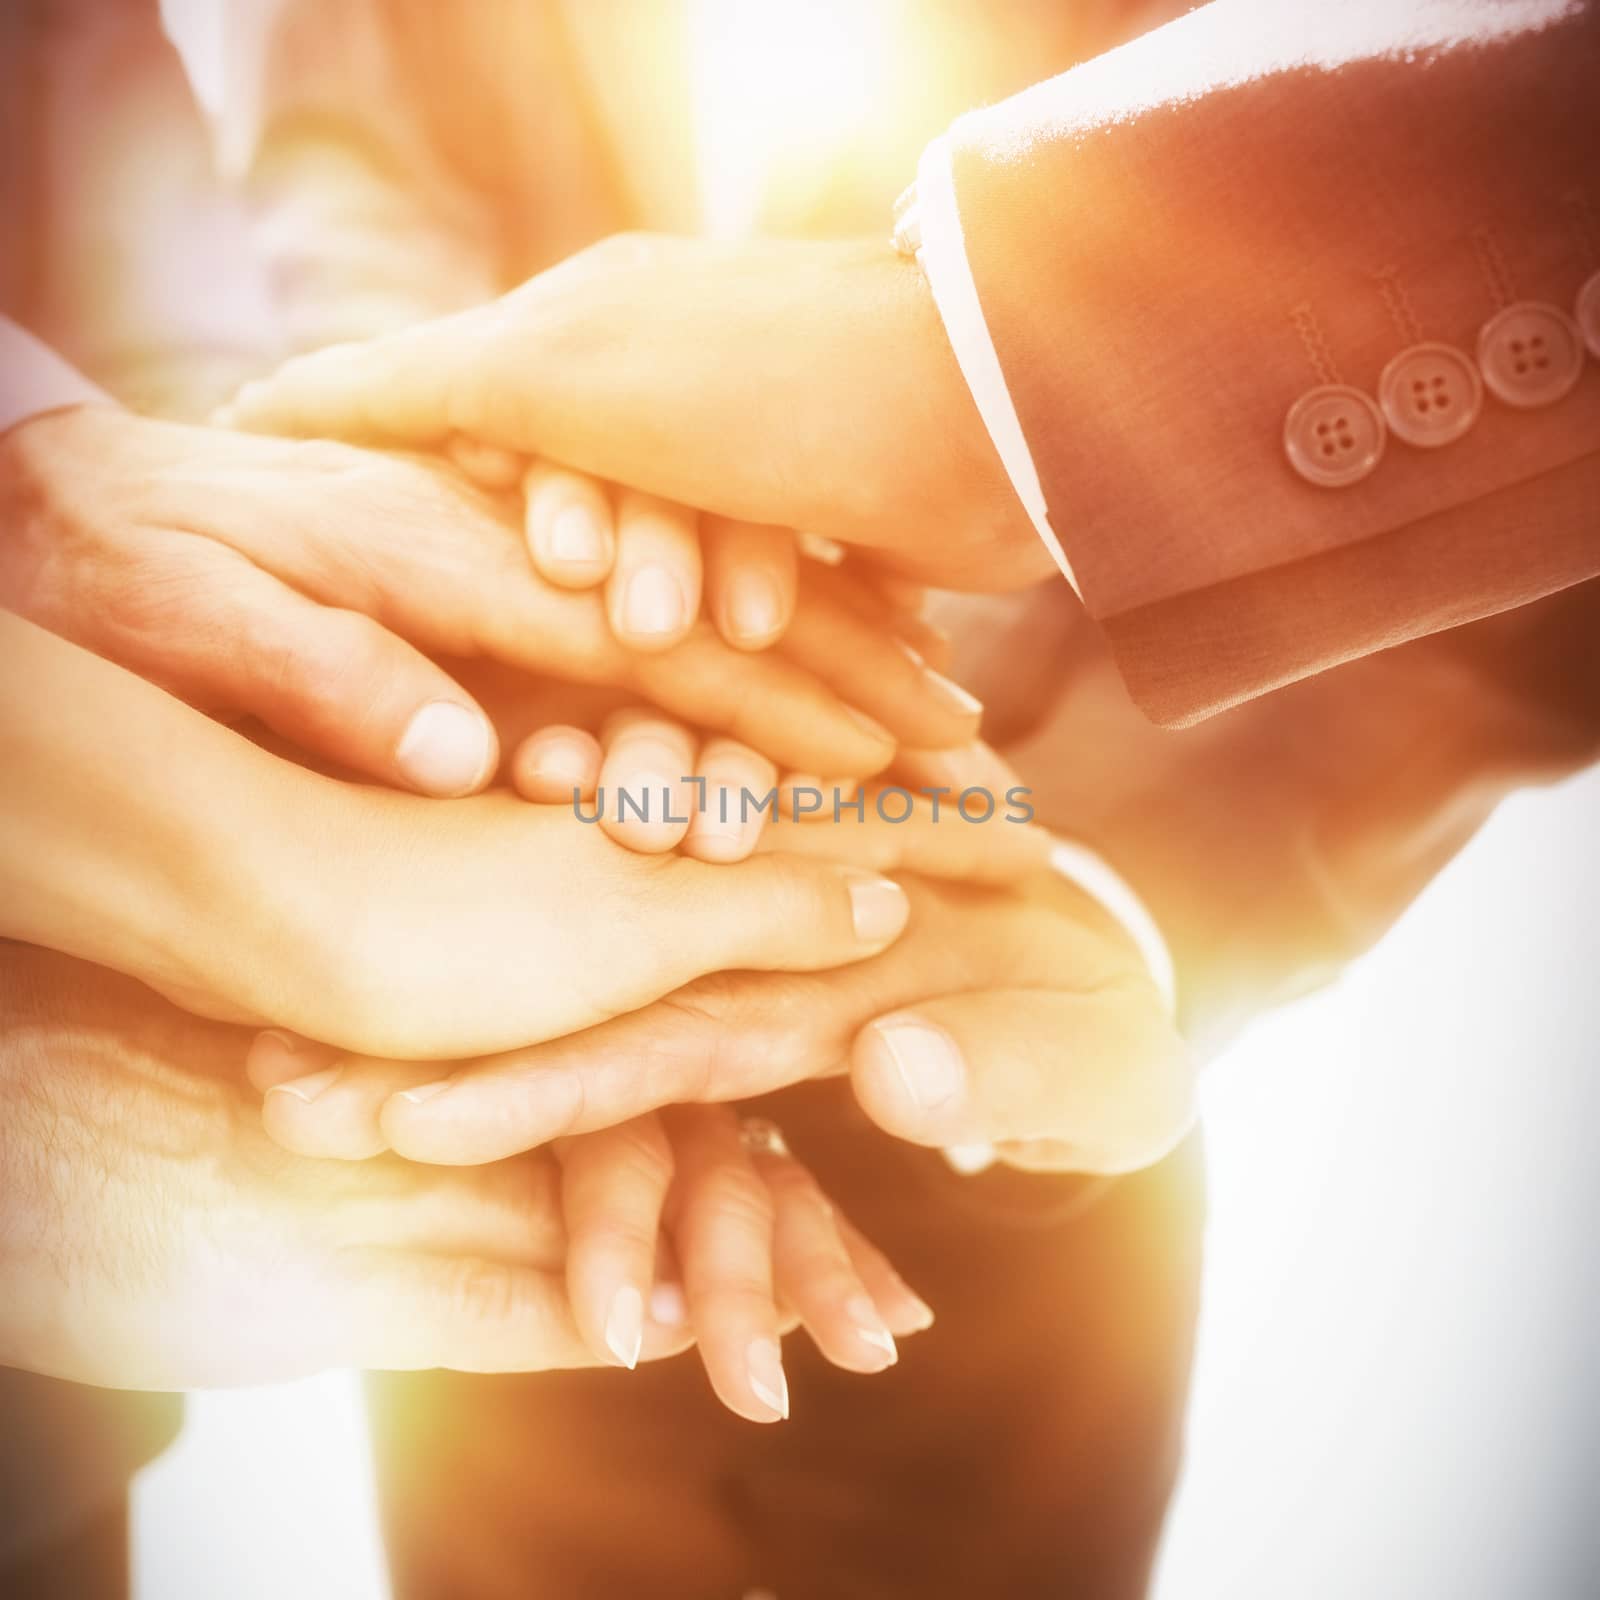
x=1398, y=1393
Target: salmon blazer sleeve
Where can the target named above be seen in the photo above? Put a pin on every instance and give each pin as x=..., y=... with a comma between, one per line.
x=1285, y=320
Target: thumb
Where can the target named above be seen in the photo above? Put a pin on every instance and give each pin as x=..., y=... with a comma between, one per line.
x=403, y=1311
x=396, y=388
x=767, y=914
x=1102, y=1075
x=336, y=683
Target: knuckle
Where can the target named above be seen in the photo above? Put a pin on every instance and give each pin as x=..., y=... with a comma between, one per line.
x=731, y=1196
x=482, y=1293
x=644, y=1155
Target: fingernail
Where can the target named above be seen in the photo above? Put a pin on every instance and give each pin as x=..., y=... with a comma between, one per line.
x=668, y=1308
x=424, y=1091
x=919, y=1308
x=873, y=730
x=764, y=1368
x=561, y=765
x=577, y=538
x=870, y=1327
x=722, y=837
x=755, y=606
x=625, y=1326
x=653, y=603
x=929, y=1066
x=273, y=1056
x=446, y=749
x=307, y=1089
x=878, y=907
x=950, y=694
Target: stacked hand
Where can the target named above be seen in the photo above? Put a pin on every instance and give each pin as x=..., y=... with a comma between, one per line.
x=782, y=383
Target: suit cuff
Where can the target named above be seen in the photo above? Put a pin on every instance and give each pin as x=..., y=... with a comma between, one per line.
x=942, y=254
x=34, y=379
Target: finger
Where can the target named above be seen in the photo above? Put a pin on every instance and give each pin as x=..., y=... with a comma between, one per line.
x=557, y=764
x=739, y=916
x=487, y=465
x=510, y=1211
x=571, y=531
x=645, y=795
x=902, y=1308
x=333, y=681
x=1101, y=1072
x=400, y=1311
x=614, y=1185
x=395, y=388
x=946, y=836
x=970, y=766
x=866, y=666
x=751, y=577
x=275, y=1056
x=333, y=1110
x=721, y=1221
x=814, y=1272
x=727, y=822
x=653, y=594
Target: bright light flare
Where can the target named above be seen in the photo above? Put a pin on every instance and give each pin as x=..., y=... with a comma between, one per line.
x=779, y=90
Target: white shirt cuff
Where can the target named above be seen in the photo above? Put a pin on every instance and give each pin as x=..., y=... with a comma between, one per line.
x=34, y=379
x=943, y=257
x=1115, y=896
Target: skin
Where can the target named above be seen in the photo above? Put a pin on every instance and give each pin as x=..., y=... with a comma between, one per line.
x=152, y=1236
x=779, y=382
x=1056, y=1049
x=379, y=921
x=309, y=586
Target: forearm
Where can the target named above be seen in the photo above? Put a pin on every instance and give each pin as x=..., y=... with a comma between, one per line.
x=133, y=829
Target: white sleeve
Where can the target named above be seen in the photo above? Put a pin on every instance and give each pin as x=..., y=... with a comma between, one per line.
x=932, y=225
x=34, y=379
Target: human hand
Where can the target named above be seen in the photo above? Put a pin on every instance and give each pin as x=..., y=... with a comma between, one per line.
x=653, y=557
x=152, y=1237
x=783, y=383
x=1018, y=1016
x=649, y=784
x=307, y=585
x=377, y=920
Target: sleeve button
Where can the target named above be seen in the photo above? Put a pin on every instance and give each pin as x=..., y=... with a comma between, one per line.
x=1431, y=394
x=1333, y=436
x=1531, y=354
x=1588, y=312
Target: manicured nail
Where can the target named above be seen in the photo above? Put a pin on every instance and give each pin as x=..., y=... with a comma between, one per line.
x=307, y=1089
x=577, y=537
x=425, y=1091
x=878, y=907
x=755, y=606
x=870, y=1327
x=764, y=1368
x=925, y=1058
x=668, y=1308
x=950, y=694
x=446, y=749
x=625, y=1326
x=919, y=1308
x=653, y=603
